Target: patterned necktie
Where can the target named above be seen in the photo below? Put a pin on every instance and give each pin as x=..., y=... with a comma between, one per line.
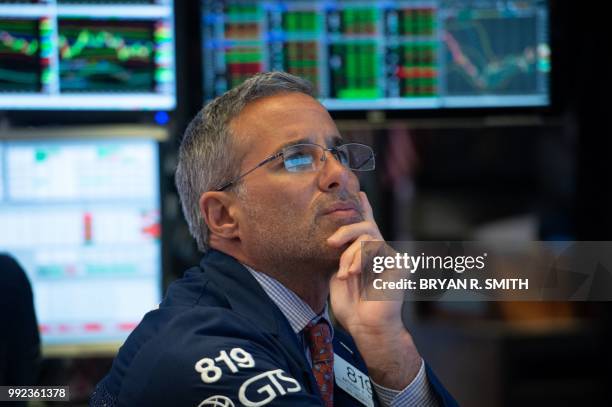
x=319, y=339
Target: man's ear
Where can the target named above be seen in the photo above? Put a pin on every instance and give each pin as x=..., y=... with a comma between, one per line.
x=218, y=210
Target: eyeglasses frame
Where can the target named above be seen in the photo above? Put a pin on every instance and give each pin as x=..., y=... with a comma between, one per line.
x=282, y=152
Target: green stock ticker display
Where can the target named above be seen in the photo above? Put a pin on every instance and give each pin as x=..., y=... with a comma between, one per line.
x=384, y=55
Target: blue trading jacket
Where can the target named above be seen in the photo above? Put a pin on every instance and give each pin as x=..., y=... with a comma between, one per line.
x=218, y=340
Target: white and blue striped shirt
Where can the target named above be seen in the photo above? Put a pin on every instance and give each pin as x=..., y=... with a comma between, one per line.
x=299, y=314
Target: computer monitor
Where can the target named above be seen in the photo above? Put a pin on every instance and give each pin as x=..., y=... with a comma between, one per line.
x=87, y=55
x=378, y=55
x=82, y=217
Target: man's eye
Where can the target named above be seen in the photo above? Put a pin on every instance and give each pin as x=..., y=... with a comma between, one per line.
x=299, y=162
x=342, y=156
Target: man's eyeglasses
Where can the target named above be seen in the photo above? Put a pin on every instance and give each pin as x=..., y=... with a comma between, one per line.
x=309, y=157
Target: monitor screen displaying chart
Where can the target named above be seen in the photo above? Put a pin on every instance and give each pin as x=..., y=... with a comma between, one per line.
x=390, y=54
x=82, y=218
x=95, y=55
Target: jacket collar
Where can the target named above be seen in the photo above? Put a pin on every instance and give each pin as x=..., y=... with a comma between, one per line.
x=242, y=291
x=247, y=298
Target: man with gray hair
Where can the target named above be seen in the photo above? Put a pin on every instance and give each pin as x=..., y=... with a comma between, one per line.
x=270, y=195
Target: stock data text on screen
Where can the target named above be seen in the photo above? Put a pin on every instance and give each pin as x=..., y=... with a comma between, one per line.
x=367, y=54
x=102, y=55
x=82, y=218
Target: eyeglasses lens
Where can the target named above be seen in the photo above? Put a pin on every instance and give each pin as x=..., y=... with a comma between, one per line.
x=305, y=157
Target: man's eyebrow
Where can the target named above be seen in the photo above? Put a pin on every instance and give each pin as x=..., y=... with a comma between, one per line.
x=334, y=141
x=291, y=143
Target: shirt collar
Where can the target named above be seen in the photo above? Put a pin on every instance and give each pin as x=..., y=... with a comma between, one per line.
x=297, y=312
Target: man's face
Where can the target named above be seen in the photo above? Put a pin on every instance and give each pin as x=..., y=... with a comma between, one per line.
x=284, y=216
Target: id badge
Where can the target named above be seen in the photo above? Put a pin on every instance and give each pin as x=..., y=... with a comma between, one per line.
x=353, y=381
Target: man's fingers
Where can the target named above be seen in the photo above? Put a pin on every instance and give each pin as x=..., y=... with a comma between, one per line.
x=355, y=234
x=350, y=261
x=347, y=233
x=355, y=267
x=366, y=207
x=346, y=259
x=345, y=291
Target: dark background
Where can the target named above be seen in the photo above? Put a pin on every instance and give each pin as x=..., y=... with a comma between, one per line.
x=524, y=174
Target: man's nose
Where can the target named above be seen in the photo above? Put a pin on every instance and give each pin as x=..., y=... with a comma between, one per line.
x=333, y=174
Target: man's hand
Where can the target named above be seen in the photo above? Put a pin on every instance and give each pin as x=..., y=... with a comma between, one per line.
x=376, y=326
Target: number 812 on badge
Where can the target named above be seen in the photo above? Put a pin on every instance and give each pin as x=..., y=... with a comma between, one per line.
x=353, y=381
x=358, y=378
